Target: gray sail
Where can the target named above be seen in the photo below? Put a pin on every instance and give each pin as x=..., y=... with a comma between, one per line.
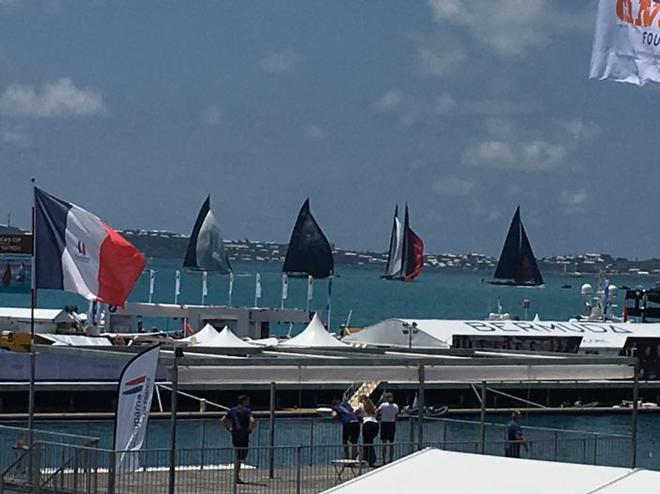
x=206, y=249
x=395, y=254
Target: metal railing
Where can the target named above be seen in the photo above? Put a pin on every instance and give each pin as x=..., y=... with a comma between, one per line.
x=68, y=468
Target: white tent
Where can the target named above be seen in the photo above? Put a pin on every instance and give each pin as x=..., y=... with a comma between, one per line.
x=314, y=335
x=209, y=336
x=433, y=470
x=439, y=333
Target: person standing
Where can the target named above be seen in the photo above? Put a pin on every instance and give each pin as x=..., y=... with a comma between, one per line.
x=350, y=427
x=514, y=436
x=388, y=411
x=367, y=412
x=239, y=422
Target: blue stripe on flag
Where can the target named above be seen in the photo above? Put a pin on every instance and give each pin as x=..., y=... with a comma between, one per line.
x=50, y=228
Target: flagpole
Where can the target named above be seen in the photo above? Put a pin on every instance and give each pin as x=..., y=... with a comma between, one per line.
x=329, y=308
x=33, y=303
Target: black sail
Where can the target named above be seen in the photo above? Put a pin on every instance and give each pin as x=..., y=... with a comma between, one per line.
x=517, y=264
x=206, y=249
x=309, y=252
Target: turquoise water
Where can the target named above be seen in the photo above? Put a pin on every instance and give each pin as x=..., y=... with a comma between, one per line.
x=435, y=294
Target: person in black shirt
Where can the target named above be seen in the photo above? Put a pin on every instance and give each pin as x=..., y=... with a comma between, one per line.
x=239, y=422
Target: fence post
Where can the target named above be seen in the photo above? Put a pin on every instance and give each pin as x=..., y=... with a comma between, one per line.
x=444, y=434
x=311, y=441
x=595, y=438
x=112, y=472
x=298, y=469
x=420, y=409
x=36, y=468
x=202, y=454
x=75, y=471
x=271, y=433
x=556, y=445
x=634, y=416
x=174, y=406
x=482, y=419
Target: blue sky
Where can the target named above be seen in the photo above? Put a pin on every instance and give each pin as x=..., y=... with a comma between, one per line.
x=137, y=110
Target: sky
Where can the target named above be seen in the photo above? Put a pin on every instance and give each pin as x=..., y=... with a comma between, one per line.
x=137, y=110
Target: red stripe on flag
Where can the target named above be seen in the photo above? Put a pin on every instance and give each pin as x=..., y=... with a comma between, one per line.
x=120, y=266
x=137, y=380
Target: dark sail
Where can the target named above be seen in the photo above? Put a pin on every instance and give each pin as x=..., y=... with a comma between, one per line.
x=206, y=249
x=413, y=252
x=309, y=252
x=394, y=259
x=517, y=264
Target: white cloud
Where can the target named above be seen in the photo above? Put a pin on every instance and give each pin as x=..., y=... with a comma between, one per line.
x=278, y=62
x=13, y=134
x=211, y=116
x=453, y=186
x=440, y=61
x=60, y=98
x=578, y=129
x=508, y=27
x=390, y=100
x=445, y=103
x=536, y=155
x=573, y=198
x=315, y=132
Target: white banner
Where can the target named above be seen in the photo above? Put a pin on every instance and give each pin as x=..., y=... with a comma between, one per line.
x=177, y=286
x=152, y=282
x=231, y=286
x=205, y=286
x=285, y=286
x=627, y=41
x=257, y=290
x=310, y=288
x=136, y=389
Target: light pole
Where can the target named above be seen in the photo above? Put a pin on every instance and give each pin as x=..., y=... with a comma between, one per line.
x=410, y=330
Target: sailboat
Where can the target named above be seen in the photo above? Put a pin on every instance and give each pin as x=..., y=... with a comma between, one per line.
x=517, y=265
x=309, y=252
x=405, y=259
x=206, y=249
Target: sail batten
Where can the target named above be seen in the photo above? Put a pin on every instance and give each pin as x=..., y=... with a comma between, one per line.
x=206, y=248
x=517, y=264
x=309, y=252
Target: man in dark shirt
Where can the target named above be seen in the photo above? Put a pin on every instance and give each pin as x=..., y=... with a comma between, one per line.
x=514, y=436
x=239, y=422
x=350, y=426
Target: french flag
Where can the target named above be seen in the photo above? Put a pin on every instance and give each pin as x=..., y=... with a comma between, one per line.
x=77, y=252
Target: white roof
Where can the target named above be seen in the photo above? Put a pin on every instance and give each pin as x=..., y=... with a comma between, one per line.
x=314, y=335
x=209, y=336
x=438, y=333
x=24, y=313
x=455, y=473
x=76, y=340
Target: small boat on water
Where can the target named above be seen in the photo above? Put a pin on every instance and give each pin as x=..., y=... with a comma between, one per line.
x=309, y=253
x=405, y=260
x=517, y=265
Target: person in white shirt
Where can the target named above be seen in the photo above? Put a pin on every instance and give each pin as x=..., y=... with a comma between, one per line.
x=387, y=411
x=367, y=412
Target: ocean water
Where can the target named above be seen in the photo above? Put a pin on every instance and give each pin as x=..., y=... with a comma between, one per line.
x=358, y=290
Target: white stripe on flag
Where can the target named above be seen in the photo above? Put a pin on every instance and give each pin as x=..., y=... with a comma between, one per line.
x=80, y=259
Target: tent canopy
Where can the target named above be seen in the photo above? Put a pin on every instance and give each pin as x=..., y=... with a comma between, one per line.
x=314, y=336
x=208, y=336
x=497, y=475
